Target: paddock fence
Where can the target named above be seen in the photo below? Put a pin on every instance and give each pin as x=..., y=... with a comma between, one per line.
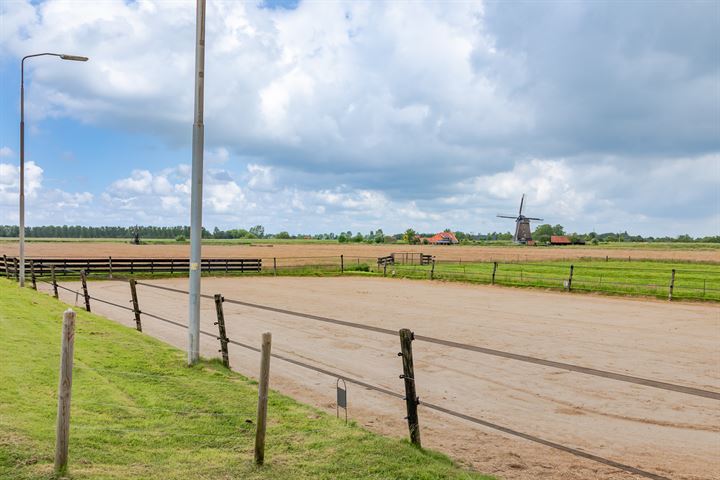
x=407, y=397
x=686, y=281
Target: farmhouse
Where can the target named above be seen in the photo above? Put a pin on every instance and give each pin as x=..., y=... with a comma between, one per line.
x=443, y=238
x=559, y=240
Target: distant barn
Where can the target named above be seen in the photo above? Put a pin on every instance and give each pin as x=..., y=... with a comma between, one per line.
x=560, y=240
x=443, y=238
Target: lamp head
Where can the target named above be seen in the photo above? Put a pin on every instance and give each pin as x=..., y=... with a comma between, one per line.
x=75, y=58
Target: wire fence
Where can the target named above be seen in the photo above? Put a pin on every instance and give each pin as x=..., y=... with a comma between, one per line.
x=353, y=379
x=682, y=281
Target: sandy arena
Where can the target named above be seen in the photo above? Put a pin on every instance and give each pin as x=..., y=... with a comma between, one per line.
x=671, y=434
x=283, y=250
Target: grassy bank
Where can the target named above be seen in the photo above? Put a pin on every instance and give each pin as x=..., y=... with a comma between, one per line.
x=139, y=412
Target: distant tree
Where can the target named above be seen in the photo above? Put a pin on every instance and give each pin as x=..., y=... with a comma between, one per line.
x=358, y=238
x=342, y=238
x=282, y=235
x=258, y=231
x=410, y=236
x=543, y=232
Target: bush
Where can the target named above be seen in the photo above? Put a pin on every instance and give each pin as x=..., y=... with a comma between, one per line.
x=363, y=267
x=180, y=238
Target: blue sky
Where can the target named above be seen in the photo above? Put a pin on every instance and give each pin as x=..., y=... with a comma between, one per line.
x=329, y=116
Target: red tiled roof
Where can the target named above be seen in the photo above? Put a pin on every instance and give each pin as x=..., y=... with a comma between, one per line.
x=443, y=237
x=560, y=240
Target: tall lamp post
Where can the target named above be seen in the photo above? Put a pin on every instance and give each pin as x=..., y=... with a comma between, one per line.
x=198, y=139
x=22, y=150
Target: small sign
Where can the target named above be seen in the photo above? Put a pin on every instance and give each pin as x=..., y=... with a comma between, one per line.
x=193, y=266
x=341, y=398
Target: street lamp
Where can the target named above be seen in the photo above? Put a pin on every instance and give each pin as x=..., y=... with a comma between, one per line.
x=74, y=58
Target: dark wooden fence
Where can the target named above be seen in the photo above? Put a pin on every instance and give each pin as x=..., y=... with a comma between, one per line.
x=109, y=265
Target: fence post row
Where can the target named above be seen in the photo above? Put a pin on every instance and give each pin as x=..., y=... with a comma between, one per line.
x=62, y=430
x=411, y=398
x=136, y=304
x=672, y=284
x=83, y=279
x=569, y=282
x=264, y=380
x=221, y=330
x=54, y=281
x=495, y=265
x=32, y=274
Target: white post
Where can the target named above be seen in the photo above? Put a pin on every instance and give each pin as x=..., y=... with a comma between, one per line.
x=196, y=190
x=62, y=433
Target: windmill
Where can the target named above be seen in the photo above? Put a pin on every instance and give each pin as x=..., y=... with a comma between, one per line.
x=522, y=224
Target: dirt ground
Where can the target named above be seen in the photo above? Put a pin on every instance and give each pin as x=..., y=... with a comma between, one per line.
x=668, y=433
x=351, y=251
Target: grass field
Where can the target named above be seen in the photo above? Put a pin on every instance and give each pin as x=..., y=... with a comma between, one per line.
x=139, y=412
x=649, y=278
x=693, y=280
x=673, y=246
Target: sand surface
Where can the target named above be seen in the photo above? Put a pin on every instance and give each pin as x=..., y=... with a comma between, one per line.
x=351, y=251
x=668, y=433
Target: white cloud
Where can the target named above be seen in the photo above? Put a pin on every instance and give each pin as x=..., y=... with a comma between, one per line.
x=260, y=177
x=359, y=113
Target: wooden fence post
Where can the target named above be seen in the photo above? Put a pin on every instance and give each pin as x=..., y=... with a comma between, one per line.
x=385, y=268
x=672, y=284
x=32, y=274
x=62, y=431
x=110, y=266
x=136, y=304
x=274, y=266
x=221, y=330
x=495, y=265
x=264, y=380
x=83, y=280
x=569, y=282
x=342, y=264
x=432, y=270
x=411, y=398
x=54, y=281
x=7, y=268
x=17, y=270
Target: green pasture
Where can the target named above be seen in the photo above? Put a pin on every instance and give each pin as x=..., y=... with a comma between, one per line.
x=139, y=412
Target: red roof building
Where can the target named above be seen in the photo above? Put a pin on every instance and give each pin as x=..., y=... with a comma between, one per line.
x=559, y=240
x=443, y=238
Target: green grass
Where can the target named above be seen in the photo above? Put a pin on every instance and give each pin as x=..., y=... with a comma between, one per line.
x=139, y=412
x=697, y=281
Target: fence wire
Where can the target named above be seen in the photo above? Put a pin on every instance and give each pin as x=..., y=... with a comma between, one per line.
x=439, y=408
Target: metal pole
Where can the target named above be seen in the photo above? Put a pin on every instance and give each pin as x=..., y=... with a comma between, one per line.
x=74, y=58
x=196, y=190
x=22, y=172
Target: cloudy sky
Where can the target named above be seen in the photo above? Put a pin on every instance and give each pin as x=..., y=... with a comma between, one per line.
x=327, y=116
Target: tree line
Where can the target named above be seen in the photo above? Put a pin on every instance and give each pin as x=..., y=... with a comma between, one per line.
x=541, y=234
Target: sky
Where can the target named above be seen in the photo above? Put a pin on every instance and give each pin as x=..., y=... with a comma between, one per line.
x=325, y=116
